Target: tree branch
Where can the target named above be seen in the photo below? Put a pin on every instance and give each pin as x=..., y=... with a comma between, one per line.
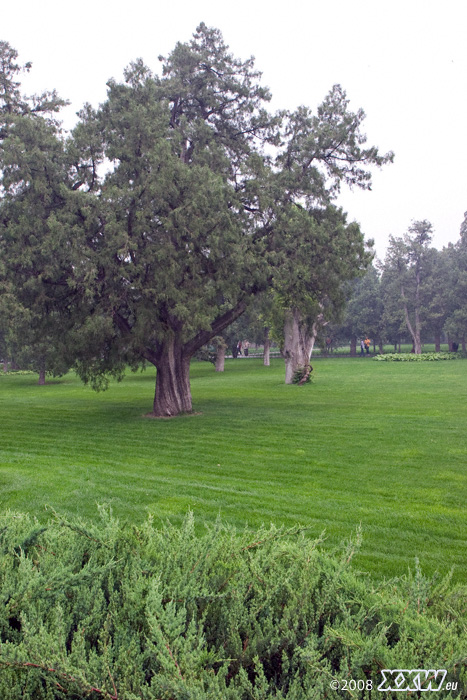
x=217, y=326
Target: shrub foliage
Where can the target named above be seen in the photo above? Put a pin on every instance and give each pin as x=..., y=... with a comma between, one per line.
x=302, y=375
x=103, y=611
x=412, y=357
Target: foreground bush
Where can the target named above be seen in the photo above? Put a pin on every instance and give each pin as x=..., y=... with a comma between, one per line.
x=104, y=611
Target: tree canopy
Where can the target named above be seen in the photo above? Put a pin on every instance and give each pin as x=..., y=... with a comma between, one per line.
x=179, y=202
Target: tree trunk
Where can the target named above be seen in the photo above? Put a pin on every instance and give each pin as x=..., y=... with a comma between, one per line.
x=414, y=330
x=220, y=357
x=173, y=392
x=438, y=342
x=353, y=347
x=172, y=361
x=298, y=342
x=292, y=347
x=267, y=348
x=41, y=381
x=5, y=366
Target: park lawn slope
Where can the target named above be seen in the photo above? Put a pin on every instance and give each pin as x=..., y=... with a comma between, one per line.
x=376, y=444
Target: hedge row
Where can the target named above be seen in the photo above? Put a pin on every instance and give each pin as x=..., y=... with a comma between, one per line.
x=412, y=357
x=103, y=611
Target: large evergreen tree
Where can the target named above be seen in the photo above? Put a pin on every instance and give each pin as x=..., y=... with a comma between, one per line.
x=187, y=224
x=173, y=197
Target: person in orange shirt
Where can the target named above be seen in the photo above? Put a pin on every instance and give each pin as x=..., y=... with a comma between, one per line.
x=367, y=345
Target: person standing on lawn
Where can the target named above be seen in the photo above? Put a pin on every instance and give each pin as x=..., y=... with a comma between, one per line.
x=367, y=345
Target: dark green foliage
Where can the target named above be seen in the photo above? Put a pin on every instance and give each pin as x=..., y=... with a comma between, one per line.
x=105, y=611
x=35, y=302
x=208, y=200
x=206, y=354
x=303, y=375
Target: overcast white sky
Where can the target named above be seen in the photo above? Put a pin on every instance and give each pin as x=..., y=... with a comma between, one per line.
x=403, y=61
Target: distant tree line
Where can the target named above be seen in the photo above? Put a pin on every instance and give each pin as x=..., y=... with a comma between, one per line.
x=418, y=294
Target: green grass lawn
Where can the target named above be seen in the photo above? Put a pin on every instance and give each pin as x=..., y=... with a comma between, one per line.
x=381, y=444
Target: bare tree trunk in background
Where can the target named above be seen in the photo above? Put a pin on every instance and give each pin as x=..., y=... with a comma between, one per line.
x=267, y=348
x=41, y=381
x=220, y=356
x=415, y=328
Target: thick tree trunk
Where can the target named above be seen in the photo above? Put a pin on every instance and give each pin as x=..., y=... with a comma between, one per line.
x=267, y=348
x=220, y=357
x=292, y=346
x=353, y=347
x=173, y=391
x=171, y=358
x=437, y=342
x=298, y=342
x=41, y=381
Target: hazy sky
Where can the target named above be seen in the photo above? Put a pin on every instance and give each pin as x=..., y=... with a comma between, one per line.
x=403, y=61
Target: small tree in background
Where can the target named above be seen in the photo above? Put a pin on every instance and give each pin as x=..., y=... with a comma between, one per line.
x=310, y=293
x=456, y=286
x=407, y=268
x=364, y=310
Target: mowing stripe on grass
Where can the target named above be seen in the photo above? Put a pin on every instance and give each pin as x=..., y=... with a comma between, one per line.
x=372, y=443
